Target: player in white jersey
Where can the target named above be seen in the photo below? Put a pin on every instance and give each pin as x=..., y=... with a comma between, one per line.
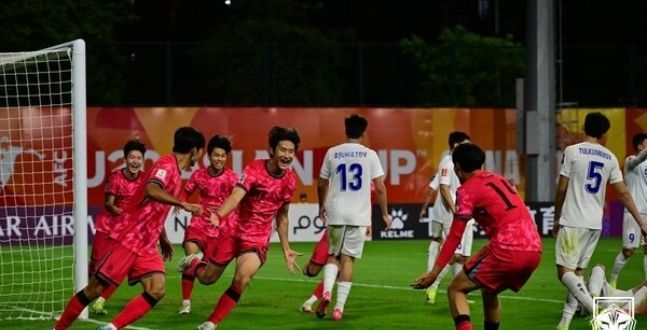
x=443, y=215
x=636, y=179
x=579, y=201
x=344, y=192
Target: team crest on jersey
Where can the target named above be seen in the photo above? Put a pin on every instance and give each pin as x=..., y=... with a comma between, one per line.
x=443, y=172
x=613, y=313
x=160, y=174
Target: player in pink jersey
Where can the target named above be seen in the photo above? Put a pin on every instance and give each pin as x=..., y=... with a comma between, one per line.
x=263, y=193
x=215, y=184
x=119, y=192
x=313, y=268
x=132, y=247
x=514, y=250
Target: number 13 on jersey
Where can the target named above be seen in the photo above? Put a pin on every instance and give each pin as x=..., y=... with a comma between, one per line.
x=350, y=176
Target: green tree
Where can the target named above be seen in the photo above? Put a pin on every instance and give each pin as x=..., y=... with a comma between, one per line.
x=35, y=24
x=268, y=52
x=465, y=69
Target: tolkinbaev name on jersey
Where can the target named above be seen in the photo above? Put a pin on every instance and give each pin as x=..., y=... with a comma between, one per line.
x=594, y=152
x=350, y=154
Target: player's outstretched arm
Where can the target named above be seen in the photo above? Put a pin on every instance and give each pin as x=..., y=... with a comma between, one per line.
x=380, y=195
x=156, y=192
x=635, y=161
x=426, y=202
x=282, y=222
x=628, y=201
x=237, y=195
x=322, y=192
x=560, y=194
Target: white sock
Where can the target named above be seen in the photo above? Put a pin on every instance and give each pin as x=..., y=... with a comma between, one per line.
x=111, y=326
x=596, y=281
x=330, y=275
x=618, y=264
x=432, y=254
x=343, y=289
x=569, y=310
x=440, y=277
x=640, y=296
x=209, y=325
x=456, y=268
x=310, y=301
x=578, y=289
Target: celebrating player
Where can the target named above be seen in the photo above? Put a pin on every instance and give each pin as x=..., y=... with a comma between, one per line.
x=514, y=250
x=263, y=193
x=636, y=179
x=132, y=247
x=215, y=184
x=443, y=213
x=119, y=192
x=579, y=200
x=344, y=192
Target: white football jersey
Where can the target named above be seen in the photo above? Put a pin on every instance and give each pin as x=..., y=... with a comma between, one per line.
x=350, y=167
x=636, y=180
x=588, y=166
x=446, y=176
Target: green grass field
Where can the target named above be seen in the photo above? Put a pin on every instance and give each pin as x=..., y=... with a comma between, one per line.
x=380, y=297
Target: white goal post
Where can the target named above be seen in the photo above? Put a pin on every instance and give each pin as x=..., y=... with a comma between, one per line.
x=43, y=192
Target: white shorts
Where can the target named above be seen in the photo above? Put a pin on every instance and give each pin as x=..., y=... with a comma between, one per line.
x=465, y=246
x=346, y=240
x=574, y=246
x=437, y=229
x=631, y=235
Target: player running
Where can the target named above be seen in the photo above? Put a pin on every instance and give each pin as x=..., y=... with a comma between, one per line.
x=262, y=194
x=511, y=256
x=119, y=192
x=215, y=184
x=132, y=247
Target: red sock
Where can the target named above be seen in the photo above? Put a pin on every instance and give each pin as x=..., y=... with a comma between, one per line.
x=465, y=326
x=187, y=286
x=318, y=291
x=108, y=291
x=72, y=310
x=227, y=302
x=135, y=309
x=463, y=322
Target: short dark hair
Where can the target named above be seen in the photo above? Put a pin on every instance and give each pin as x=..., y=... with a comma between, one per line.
x=596, y=124
x=457, y=137
x=638, y=139
x=218, y=141
x=134, y=144
x=469, y=156
x=278, y=134
x=355, y=126
x=186, y=138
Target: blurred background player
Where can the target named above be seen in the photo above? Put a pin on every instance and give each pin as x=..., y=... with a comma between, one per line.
x=262, y=194
x=511, y=256
x=636, y=179
x=599, y=287
x=313, y=268
x=119, y=192
x=344, y=192
x=132, y=247
x=443, y=214
x=579, y=201
x=214, y=184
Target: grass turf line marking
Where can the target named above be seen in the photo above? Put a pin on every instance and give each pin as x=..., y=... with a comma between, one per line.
x=89, y=320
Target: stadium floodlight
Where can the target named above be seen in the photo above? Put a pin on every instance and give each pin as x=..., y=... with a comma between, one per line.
x=43, y=192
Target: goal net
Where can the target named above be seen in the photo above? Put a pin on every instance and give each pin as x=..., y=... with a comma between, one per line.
x=43, y=178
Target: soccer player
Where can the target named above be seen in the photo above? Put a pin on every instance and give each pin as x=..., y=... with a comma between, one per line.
x=599, y=287
x=442, y=216
x=511, y=256
x=119, y=192
x=215, y=184
x=344, y=192
x=263, y=193
x=636, y=180
x=313, y=268
x=579, y=200
x=132, y=247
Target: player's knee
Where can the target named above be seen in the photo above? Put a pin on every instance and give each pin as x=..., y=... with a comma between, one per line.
x=241, y=280
x=157, y=292
x=311, y=270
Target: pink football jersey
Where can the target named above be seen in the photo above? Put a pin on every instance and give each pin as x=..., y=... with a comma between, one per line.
x=124, y=191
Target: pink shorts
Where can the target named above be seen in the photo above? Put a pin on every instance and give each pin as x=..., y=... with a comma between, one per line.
x=99, y=250
x=228, y=247
x=320, y=253
x=120, y=262
x=199, y=237
x=498, y=269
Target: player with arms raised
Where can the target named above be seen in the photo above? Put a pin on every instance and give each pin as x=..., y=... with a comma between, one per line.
x=511, y=256
x=579, y=203
x=344, y=192
x=262, y=194
x=215, y=184
x=119, y=192
x=636, y=180
x=133, y=241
